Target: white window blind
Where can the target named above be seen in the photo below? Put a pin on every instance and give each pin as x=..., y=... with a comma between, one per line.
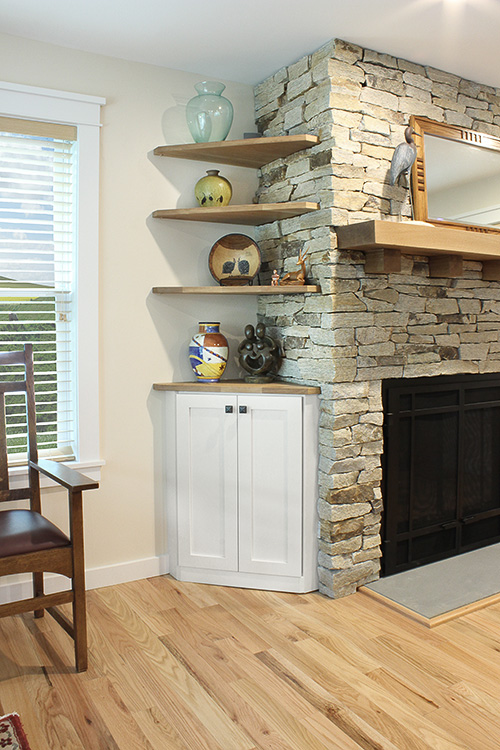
x=37, y=235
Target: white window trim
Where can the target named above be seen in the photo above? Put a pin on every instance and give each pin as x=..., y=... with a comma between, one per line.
x=33, y=103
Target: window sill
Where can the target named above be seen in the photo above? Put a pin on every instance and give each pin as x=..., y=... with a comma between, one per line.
x=18, y=475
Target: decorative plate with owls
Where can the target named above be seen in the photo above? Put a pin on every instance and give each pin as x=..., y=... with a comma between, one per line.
x=234, y=260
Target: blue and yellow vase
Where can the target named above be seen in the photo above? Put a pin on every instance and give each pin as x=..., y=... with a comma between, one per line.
x=208, y=351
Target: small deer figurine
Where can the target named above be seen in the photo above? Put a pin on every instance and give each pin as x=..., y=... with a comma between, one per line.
x=296, y=278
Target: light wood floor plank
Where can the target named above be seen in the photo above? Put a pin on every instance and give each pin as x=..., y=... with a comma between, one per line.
x=184, y=704
x=337, y=710
x=182, y=666
x=224, y=694
x=298, y=731
x=376, y=705
x=162, y=734
x=120, y=723
x=402, y=690
x=325, y=663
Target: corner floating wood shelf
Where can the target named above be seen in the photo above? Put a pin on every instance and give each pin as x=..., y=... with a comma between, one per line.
x=253, y=214
x=244, y=290
x=254, y=153
x=384, y=241
x=248, y=152
x=238, y=386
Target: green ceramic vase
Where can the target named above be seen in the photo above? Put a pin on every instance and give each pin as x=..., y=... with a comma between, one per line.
x=213, y=190
x=209, y=114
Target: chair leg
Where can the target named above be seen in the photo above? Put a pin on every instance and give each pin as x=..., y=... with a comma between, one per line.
x=80, y=629
x=79, y=604
x=38, y=590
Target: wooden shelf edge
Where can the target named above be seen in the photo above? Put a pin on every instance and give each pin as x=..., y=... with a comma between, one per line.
x=239, y=386
x=251, y=214
x=418, y=238
x=244, y=290
x=247, y=152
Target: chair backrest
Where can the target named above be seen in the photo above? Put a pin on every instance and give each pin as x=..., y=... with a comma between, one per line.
x=16, y=376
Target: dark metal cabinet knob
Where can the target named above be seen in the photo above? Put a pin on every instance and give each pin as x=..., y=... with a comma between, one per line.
x=243, y=409
x=229, y=409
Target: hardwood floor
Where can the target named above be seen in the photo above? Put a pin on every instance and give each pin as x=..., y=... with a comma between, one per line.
x=176, y=666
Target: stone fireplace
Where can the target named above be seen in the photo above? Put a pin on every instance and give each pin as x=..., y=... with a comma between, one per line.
x=364, y=328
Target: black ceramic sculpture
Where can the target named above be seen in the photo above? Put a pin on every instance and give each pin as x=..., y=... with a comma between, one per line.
x=260, y=355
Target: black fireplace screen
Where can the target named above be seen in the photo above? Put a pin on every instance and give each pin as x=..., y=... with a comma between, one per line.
x=441, y=468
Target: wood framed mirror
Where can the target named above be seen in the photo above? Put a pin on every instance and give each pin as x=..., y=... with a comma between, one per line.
x=455, y=178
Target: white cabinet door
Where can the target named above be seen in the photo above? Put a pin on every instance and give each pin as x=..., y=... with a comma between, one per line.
x=270, y=484
x=207, y=477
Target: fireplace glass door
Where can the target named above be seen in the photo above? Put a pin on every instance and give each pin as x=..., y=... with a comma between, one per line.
x=441, y=468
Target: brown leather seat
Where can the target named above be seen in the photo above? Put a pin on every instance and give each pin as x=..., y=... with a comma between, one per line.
x=24, y=531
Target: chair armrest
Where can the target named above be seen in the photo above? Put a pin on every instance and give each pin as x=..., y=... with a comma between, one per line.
x=63, y=475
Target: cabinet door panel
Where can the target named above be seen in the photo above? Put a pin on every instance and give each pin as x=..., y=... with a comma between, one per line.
x=207, y=481
x=270, y=485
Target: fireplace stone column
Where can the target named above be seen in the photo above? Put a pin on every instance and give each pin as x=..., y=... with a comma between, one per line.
x=363, y=328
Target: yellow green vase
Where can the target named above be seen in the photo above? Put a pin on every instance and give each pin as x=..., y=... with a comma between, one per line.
x=213, y=190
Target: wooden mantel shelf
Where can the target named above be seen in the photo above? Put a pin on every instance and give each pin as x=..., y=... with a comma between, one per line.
x=238, y=386
x=245, y=290
x=384, y=241
x=251, y=215
x=248, y=152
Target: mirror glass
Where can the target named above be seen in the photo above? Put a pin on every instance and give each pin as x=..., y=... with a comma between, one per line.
x=455, y=176
x=463, y=182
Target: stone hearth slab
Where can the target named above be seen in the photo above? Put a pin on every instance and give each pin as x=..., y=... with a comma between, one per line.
x=446, y=585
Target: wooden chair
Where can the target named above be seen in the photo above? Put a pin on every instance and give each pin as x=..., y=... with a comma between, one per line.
x=30, y=543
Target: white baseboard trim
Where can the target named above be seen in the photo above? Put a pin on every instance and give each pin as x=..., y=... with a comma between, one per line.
x=19, y=587
x=134, y=570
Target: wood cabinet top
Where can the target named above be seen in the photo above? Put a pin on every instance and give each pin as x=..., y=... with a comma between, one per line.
x=416, y=238
x=239, y=386
x=248, y=152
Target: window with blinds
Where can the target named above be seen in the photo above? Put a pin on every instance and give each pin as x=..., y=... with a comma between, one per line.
x=38, y=161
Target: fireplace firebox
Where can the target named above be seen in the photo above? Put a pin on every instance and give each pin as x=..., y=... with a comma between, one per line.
x=441, y=468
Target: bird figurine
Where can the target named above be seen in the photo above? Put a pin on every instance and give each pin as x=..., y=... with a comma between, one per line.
x=403, y=157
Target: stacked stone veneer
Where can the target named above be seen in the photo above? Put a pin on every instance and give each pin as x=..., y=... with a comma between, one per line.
x=363, y=328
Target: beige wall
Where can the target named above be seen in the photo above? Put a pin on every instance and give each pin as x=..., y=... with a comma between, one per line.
x=143, y=339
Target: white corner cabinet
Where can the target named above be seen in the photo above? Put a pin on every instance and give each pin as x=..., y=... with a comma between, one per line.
x=241, y=486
